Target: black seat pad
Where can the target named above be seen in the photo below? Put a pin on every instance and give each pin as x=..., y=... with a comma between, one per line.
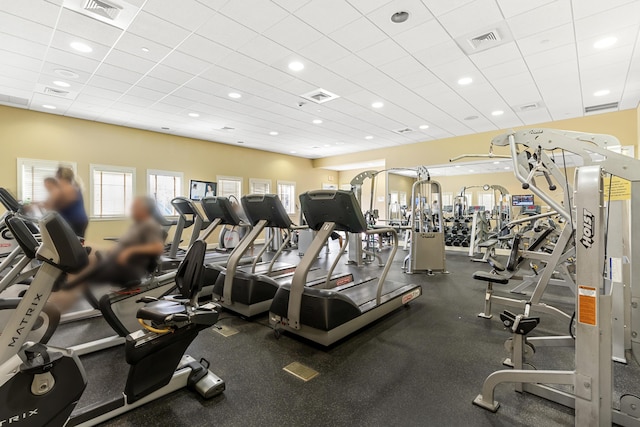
x=490, y=277
x=158, y=311
x=488, y=243
x=495, y=264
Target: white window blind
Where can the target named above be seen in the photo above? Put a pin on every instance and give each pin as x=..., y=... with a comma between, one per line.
x=486, y=200
x=393, y=197
x=230, y=186
x=164, y=186
x=287, y=194
x=112, y=190
x=259, y=186
x=31, y=176
x=402, y=198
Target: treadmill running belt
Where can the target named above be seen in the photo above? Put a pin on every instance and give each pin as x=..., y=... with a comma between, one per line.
x=364, y=294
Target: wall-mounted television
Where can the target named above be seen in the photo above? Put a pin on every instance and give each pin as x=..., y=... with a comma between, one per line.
x=200, y=189
x=522, y=200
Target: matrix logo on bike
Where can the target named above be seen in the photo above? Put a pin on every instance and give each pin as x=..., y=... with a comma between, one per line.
x=20, y=417
x=588, y=230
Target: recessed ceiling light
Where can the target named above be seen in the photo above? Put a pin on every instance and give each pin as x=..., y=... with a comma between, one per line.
x=145, y=49
x=339, y=143
x=605, y=42
x=234, y=95
x=465, y=81
x=497, y=113
x=471, y=170
x=458, y=166
x=496, y=163
x=49, y=106
x=424, y=126
x=602, y=92
x=194, y=115
x=377, y=104
x=273, y=133
x=317, y=121
x=66, y=73
x=81, y=47
x=368, y=137
x=327, y=145
x=61, y=84
x=507, y=167
x=296, y=66
x=293, y=152
x=399, y=17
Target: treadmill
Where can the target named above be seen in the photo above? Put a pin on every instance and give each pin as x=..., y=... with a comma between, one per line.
x=328, y=315
x=248, y=290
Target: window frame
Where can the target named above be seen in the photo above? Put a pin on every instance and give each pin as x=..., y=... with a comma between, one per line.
x=295, y=189
x=253, y=181
x=175, y=174
x=220, y=178
x=22, y=161
x=109, y=168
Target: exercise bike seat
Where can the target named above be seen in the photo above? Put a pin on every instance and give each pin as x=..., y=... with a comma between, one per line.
x=158, y=311
x=490, y=277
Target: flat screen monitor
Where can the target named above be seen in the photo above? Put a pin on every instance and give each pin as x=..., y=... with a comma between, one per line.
x=200, y=189
x=522, y=200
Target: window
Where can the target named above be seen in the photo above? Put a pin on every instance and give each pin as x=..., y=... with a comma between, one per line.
x=112, y=190
x=447, y=199
x=287, y=194
x=164, y=186
x=259, y=186
x=486, y=200
x=393, y=197
x=402, y=198
x=31, y=175
x=230, y=186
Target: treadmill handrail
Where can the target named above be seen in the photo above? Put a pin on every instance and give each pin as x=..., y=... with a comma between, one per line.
x=392, y=255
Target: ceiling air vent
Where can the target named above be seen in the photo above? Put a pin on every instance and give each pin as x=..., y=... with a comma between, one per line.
x=13, y=100
x=227, y=128
x=403, y=131
x=487, y=39
x=530, y=106
x=55, y=92
x=593, y=108
x=320, y=96
x=103, y=8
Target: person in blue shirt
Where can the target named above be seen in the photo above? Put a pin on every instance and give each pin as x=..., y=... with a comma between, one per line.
x=68, y=200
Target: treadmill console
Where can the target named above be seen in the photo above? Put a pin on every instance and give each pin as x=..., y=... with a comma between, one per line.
x=338, y=206
x=267, y=207
x=220, y=208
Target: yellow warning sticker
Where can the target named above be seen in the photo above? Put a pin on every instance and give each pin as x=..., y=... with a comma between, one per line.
x=620, y=188
x=587, y=305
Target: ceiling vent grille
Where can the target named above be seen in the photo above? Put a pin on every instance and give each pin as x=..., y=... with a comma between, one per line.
x=13, y=100
x=530, y=106
x=103, y=8
x=404, y=131
x=320, y=96
x=601, y=107
x=55, y=92
x=227, y=128
x=485, y=40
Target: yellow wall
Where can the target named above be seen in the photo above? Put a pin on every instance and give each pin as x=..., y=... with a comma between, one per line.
x=50, y=137
x=622, y=124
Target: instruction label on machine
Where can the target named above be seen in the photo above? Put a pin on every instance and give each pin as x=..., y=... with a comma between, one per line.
x=587, y=305
x=620, y=188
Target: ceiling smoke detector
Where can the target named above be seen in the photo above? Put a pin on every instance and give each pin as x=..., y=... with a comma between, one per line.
x=320, y=96
x=399, y=17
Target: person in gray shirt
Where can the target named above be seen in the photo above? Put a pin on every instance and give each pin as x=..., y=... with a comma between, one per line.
x=124, y=265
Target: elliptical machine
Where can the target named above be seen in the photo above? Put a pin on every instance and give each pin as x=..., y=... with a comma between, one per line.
x=41, y=385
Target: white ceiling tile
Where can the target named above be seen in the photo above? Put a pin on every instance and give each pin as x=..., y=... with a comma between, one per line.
x=17, y=84
x=33, y=10
x=117, y=73
x=265, y=50
x=20, y=61
x=360, y=34
x=518, y=89
x=324, y=51
x=110, y=84
x=551, y=56
x=541, y=19
x=22, y=46
x=512, y=8
x=382, y=53
x=327, y=15
x=533, y=117
x=497, y=55
x=28, y=30
x=264, y=13
x=404, y=66
x=608, y=22
x=153, y=28
x=282, y=33
x=190, y=14
x=584, y=8
x=418, y=14
x=470, y=17
x=422, y=36
x=105, y=94
x=291, y=5
x=87, y=29
x=62, y=41
x=451, y=72
x=134, y=44
x=366, y=6
x=158, y=85
x=179, y=60
x=169, y=74
x=128, y=61
x=349, y=66
x=204, y=49
x=441, y=54
x=626, y=38
x=440, y=7
x=72, y=61
x=546, y=40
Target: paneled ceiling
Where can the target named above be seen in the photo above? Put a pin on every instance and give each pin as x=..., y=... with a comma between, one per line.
x=170, y=66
